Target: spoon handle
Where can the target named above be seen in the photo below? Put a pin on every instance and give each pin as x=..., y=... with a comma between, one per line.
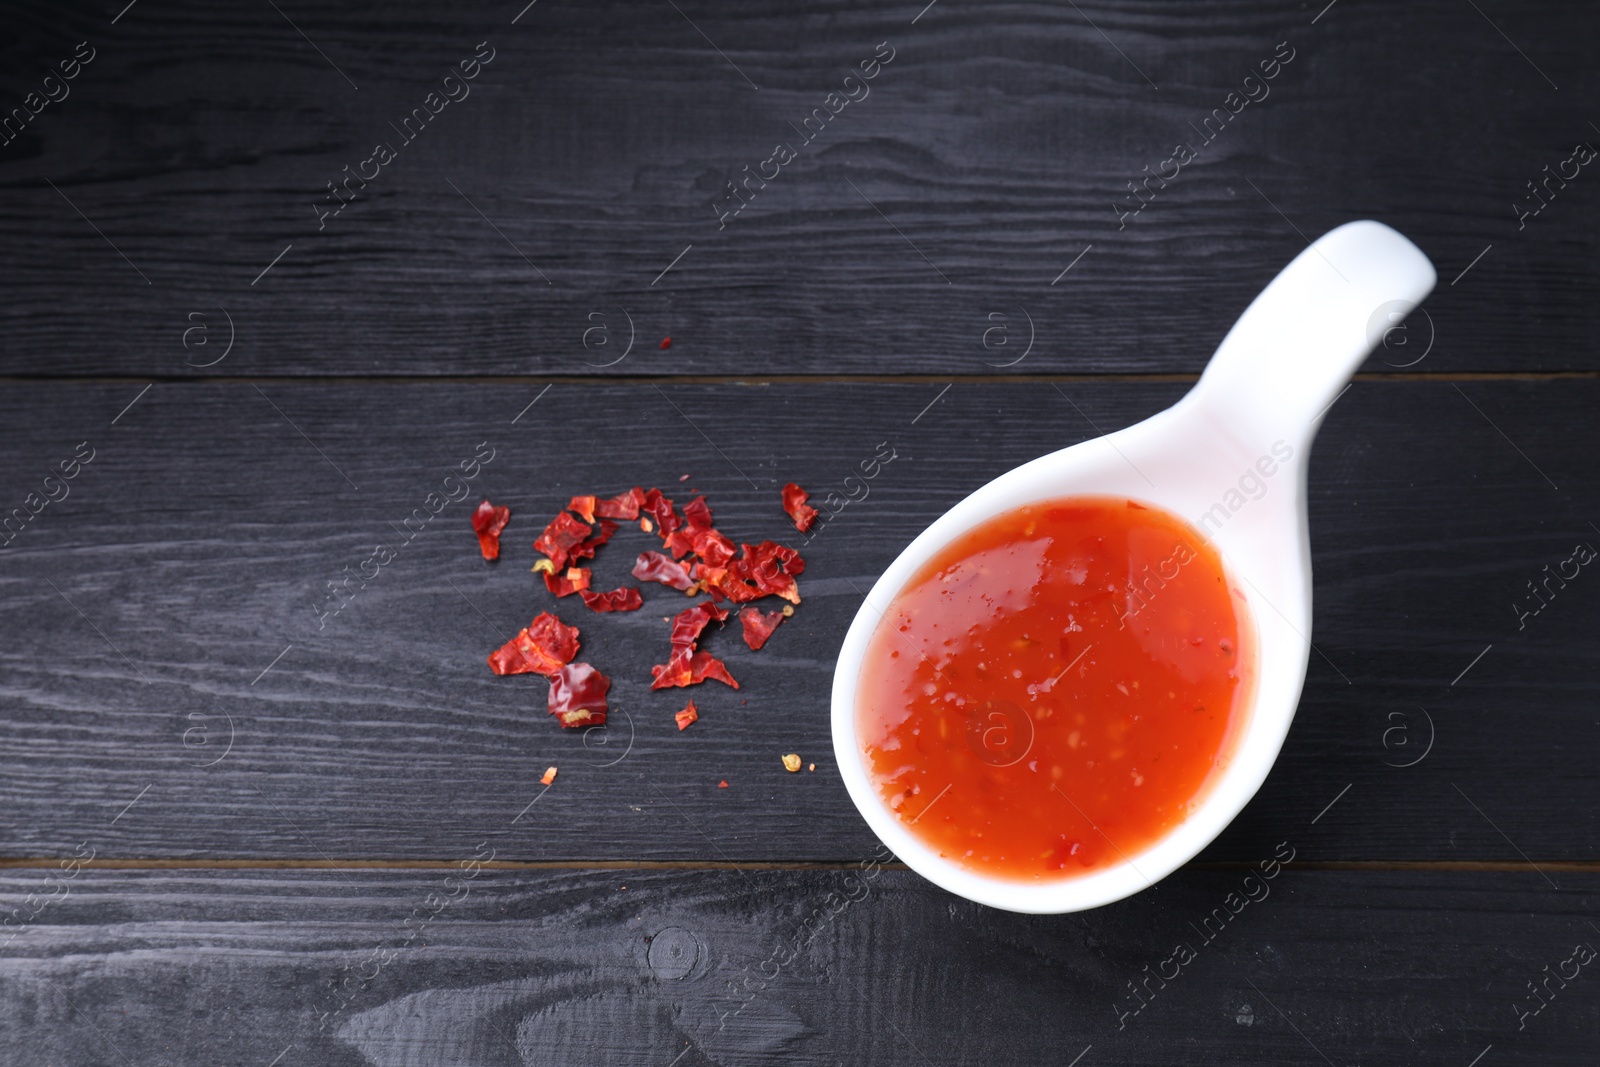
x=1292, y=351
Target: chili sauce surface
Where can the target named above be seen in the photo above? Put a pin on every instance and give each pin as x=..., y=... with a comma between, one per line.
x=1056, y=689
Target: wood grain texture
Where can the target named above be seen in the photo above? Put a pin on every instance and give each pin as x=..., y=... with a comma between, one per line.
x=533, y=219
x=171, y=601
x=175, y=686
x=731, y=967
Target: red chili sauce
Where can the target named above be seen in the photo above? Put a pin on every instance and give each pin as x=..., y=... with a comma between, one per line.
x=1054, y=691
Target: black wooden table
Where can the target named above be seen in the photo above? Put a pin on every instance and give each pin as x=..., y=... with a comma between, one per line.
x=273, y=272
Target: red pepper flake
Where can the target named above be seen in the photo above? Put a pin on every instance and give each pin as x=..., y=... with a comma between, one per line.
x=624, y=599
x=722, y=784
x=689, y=715
x=685, y=667
x=659, y=508
x=794, y=502
x=767, y=569
x=721, y=582
x=698, y=537
x=710, y=545
x=666, y=342
x=698, y=558
x=673, y=673
x=704, y=665
x=573, y=580
x=487, y=522
x=622, y=506
x=658, y=567
x=791, y=560
x=595, y=540
x=690, y=623
x=559, y=538
x=772, y=567
x=548, y=777
x=758, y=625
x=697, y=512
x=544, y=646
x=578, y=695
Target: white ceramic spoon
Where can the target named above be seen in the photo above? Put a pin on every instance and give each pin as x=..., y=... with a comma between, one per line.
x=1230, y=457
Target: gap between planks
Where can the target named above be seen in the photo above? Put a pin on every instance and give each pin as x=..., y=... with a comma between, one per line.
x=739, y=379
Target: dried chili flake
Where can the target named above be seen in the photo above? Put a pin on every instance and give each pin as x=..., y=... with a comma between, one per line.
x=548, y=777
x=578, y=695
x=544, y=646
x=689, y=623
x=572, y=580
x=701, y=559
x=715, y=549
x=794, y=502
x=721, y=583
x=725, y=582
x=686, y=667
x=624, y=599
x=697, y=512
x=666, y=342
x=673, y=673
x=586, y=549
x=680, y=543
x=622, y=506
x=772, y=568
x=658, y=567
x=767, y=569
x=487, y=522
x=659, y=508
x=559, y=538
x=710, y=545
x=784, y=586
x=703, y=665
x=722, y=784
x=758, y=625
x=790, y=558
x=690, y=714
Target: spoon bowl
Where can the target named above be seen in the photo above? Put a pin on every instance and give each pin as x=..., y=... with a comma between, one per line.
x=1230, y=457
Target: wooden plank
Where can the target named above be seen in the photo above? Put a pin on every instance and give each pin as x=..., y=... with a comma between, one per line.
x=852, y=965
x=537, y=217
x=171, y=602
